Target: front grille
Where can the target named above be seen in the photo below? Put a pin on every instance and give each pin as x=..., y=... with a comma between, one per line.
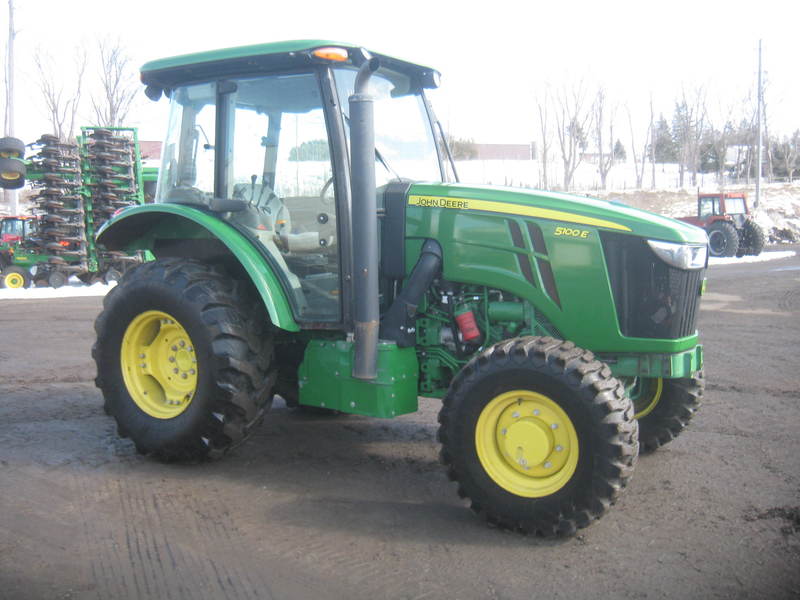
x=653, y=299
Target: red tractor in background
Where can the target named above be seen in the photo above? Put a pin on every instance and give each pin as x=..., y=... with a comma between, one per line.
x=731, y=229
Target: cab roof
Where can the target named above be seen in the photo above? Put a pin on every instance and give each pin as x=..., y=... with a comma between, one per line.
x=264, y=58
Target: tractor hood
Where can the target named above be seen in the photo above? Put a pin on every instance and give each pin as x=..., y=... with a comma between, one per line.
x=570, y=209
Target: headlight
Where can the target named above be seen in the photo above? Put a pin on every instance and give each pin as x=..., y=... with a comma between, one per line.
x=680, y=256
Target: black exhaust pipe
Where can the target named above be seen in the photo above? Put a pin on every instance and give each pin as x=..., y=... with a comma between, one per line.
x=365, y=225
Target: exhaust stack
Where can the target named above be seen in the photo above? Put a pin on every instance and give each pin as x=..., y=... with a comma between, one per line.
x=365, y=224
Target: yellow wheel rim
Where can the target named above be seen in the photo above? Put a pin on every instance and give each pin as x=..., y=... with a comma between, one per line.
x=645, y=393
x=526, y=443
x=10, y=176
x=14, y=280
x=159, y=364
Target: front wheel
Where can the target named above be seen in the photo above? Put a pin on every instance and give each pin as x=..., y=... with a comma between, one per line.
x=184, y=360
x=664, y=407
x=539, y=436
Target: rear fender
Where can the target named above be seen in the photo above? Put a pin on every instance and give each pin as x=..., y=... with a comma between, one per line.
x=178, y=230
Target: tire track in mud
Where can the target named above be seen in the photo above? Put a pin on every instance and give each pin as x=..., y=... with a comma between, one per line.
x=141, y=544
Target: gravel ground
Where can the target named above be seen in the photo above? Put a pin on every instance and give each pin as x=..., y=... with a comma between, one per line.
x=352, y=507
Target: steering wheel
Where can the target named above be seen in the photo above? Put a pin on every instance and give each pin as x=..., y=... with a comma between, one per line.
x=328, y=183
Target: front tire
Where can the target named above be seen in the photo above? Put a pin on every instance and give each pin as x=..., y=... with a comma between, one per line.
x=539, y=436
x=184, y=360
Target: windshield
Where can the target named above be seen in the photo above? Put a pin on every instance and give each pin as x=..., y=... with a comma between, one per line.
x=735, y=206
x=187, y=160
x=404, y=142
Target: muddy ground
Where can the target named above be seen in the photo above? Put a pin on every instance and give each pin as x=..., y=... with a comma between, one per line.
x=352, y=507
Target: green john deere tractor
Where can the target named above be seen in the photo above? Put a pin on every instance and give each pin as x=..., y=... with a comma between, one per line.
x=312, y=241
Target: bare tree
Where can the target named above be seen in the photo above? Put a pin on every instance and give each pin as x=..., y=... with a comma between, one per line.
x=639, y=157
x=788, y=150
x=573, y=119
x=652, y=143
x=118, y=83
x=603, y=119
x=689, y=127
x=544, y=130
x=719, y=139
x=61, y=104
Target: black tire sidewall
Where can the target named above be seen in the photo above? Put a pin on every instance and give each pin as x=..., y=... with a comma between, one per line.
x=470, y=403
x=151, y=432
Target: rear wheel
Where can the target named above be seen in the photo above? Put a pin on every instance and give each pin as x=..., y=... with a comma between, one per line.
x=15, y=277
x=722, y=239
x=664, y=407
x=184, y=360
x=539, y=436
x=754, y=237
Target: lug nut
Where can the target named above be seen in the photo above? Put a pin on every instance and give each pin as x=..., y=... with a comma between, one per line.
x=184, y=375
x=175, y=370
x=171, y=359
x=554, y=426
x=182, y=343
x=515, y=414
x=559, y=448
x=548, y=464
x=174, y=348
x=537, y=412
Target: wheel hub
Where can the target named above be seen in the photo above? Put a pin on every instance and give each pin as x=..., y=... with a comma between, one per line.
x=159, y=364
x=527, y=443
x=14, y=280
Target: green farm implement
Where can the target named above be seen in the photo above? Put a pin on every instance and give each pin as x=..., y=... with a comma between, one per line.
x=78, y=187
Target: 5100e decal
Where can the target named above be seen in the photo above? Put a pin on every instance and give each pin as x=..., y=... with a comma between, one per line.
x=569, y=231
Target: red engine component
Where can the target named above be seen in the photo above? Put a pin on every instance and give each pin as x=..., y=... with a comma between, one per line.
x=467, y=326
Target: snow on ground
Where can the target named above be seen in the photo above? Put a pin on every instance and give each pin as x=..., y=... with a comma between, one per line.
x=763, y=257
x=74, y=289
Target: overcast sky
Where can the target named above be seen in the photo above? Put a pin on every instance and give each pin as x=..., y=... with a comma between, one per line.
x=494, y=55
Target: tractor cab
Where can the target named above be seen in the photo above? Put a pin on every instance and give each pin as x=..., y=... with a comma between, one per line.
x=14, y=230
x=733, y=205
x=270, y=153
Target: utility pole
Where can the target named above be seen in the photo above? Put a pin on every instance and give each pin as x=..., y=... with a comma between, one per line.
x=760, y=109
x=10, y=196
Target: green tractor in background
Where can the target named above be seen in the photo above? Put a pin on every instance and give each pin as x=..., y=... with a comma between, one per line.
x=312, y=241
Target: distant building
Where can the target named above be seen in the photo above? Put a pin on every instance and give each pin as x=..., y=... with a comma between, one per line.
x=505, y=151
x=150, y=150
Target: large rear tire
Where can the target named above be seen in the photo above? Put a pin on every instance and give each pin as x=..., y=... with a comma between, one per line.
x=664, y=407
x=723, y=240
x=184, y=360
x=539, y=436
x=753, y=238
